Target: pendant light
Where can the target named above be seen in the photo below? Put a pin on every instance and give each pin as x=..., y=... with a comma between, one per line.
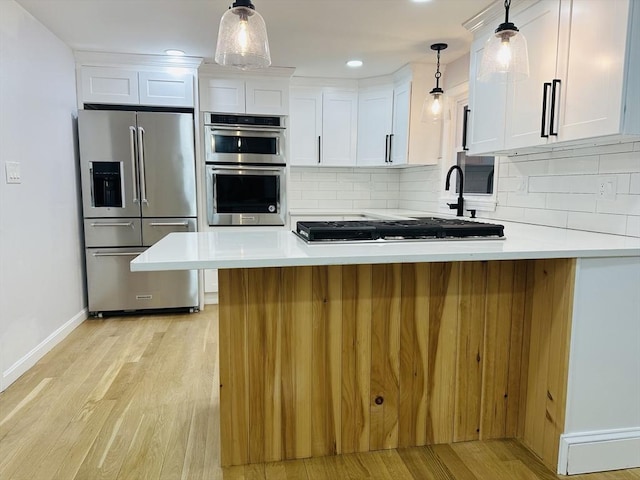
x=505, y=56
x=432, y=106
x=242, y=38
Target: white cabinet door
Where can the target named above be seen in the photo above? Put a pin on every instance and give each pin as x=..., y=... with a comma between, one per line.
x=539, y=25
x=305, y=126
x=375, y=115
x=267, y=97
x=167, y=89
x=222, y=95
x=109, y=85
x=399, y=141
x=339, y=128
x=487, y=105
x=592, y=71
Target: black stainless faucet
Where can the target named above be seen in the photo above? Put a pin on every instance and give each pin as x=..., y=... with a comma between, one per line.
x=460, y=205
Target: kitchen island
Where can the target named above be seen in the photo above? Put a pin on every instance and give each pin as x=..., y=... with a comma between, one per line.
x=329, y=349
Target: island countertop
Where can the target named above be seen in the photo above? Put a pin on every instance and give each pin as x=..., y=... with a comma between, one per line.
x=279, y=247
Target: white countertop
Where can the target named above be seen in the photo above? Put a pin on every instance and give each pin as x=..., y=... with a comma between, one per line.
x=240, y=247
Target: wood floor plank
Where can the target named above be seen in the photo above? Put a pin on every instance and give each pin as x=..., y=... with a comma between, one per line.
x=162, y=422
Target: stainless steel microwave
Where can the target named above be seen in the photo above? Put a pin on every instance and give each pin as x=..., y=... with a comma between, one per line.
x=244, y=139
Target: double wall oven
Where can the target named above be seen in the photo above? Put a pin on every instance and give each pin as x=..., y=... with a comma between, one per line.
x=245, y=169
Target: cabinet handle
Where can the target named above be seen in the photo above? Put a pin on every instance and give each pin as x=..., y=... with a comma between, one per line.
x=552, y=116
x=545, y=92
x=390, y=147
x=112, y=224
x=386, y=149
x=134, y=167
x=319, y=148
x=465, y=123
x=169, y=224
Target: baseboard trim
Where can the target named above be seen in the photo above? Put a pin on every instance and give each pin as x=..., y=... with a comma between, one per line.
x=600, y=451
x=210, y=298
x=30, y=359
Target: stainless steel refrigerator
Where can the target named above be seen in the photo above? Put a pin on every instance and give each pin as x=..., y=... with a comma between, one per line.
x=138, y=185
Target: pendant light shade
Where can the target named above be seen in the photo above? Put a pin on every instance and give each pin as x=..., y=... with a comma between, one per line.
x=242, y=38
x=433, y=104
x=505, y=57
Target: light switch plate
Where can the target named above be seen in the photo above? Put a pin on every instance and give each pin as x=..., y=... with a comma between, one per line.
x=12, y=169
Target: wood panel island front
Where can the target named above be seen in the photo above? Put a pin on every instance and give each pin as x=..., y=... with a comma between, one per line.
x=330, y=349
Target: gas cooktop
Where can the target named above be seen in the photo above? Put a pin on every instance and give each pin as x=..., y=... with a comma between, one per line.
x=422, y=228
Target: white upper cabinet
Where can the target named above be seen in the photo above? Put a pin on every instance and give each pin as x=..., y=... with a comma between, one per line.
x=121, y=86
x=584, y=79
x=375, y=121
x=255, y=96
x=323, y=126
x=399, y=139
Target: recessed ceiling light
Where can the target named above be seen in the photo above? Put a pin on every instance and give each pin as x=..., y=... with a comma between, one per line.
x=420, y=1
x=354, y=63
x=174, y=52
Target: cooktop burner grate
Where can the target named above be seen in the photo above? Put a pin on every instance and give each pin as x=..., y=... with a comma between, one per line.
x=418, y=228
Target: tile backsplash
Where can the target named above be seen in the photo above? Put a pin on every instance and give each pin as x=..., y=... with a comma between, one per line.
x=562, y=188
x=559, y=188
x=343, y=188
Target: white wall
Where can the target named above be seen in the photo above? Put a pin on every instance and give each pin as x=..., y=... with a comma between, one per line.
x=41, y=264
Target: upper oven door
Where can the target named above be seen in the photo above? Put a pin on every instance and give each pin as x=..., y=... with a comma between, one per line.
x=234, y=144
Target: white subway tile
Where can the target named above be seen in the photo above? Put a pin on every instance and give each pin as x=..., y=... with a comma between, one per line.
x=324, y=186
x=623, y=204
x=628, y=162
x=524, y=169
x=509, y=184
x=634, y=184
x=633, y=226
x=623, y=183
x=393, y=203
x=392, y=186
x=361, y=186
x=354, y=177
x=294, y=176
x=598, y=222
x=379, y=186
x=366, y=204
x=319, y=176
x=507, y=213
x=337, y=204
x=564, y=184
x=294, y=195
x=574, y=165
x=549, y=218
x=386, y=195
x=636, y=147
x=304, y=186
x=353, y=195
x=303, y=203
x=386, y=176
x=319, y=195
x=576, y=202
x=531, y=200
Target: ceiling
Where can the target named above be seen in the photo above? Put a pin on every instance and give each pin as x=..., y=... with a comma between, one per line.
x=315, y=36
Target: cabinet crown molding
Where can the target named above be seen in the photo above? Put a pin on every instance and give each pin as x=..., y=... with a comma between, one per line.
x=134, y=61
x=215, y=70
x=494, y=14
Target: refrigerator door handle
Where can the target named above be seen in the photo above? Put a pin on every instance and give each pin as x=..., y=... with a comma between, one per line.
x=169, y=224
x=134, y=169
x=143, y=177
x=116, y=254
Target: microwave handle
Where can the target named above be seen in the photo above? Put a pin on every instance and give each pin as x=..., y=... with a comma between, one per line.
x=244, y=167
x=217, y=128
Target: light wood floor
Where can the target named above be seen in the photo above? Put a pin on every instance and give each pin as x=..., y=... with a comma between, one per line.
x=136, y=398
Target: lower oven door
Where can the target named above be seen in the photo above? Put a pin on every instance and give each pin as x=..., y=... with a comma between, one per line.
x=246, y=195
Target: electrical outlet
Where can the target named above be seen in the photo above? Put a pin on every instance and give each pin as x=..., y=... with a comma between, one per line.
x=607, y=187
x=12, y=169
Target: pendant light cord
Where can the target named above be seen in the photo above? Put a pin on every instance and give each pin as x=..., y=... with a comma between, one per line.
x=438, y=74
